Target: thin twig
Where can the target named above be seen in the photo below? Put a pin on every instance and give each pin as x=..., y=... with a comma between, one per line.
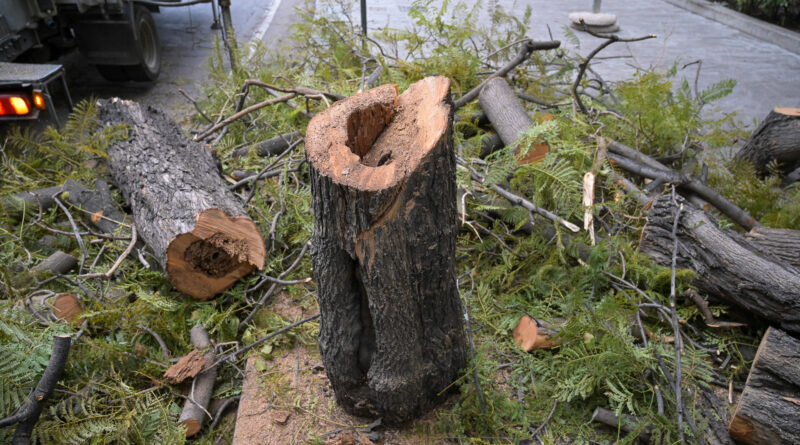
x=535, y=432
x=523, y=54
x=196, y=106
x=246, y=111
x=110, y=273
x=75, y=230
x=159, y=340
x=674, y=309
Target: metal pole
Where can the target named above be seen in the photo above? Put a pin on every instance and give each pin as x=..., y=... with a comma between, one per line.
x=364, y=25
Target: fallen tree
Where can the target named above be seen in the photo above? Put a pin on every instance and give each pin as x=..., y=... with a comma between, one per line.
x=776, y=140
x=198, y=230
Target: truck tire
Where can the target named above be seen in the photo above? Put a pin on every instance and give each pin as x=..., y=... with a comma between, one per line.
x=113, y=73
x=149, y=47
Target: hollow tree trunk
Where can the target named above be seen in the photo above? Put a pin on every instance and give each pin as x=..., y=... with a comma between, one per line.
x=198, y=230
x=383, y=194
x=725, y=267
x=776, y=138
x=768, y=411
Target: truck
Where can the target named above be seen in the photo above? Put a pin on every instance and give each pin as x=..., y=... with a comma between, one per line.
x=118, y=37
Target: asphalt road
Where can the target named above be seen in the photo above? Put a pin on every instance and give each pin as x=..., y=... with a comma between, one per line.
x=187, y=40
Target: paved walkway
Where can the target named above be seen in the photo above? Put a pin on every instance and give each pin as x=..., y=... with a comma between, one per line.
x=767, y=74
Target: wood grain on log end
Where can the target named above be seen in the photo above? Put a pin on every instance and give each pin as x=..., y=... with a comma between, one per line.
x=355, y=142
x=192, y=426
x=216, y=253
x=67, y=307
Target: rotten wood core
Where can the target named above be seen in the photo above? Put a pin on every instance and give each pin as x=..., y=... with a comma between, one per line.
x=198, y=230
x=383, y=248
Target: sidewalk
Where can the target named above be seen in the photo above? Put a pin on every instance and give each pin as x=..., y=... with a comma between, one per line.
x=767, y=74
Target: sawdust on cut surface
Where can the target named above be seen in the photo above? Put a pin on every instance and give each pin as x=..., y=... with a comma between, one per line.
x=291, y=402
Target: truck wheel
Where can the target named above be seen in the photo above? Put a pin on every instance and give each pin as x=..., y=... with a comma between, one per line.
x=113, y=73
x=149, y=47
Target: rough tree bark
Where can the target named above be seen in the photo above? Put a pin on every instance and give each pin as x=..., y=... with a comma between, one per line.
x=198, y=230
x=769, y=407
x=725, y=267
x=776, y=138
x=383, y=248
x=783, y=244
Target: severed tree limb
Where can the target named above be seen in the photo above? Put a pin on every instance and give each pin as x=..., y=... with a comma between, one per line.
x=518, y=200
x=650, y=168
x=625, y=423
x=195, y=410
x=523, y=54
x=791, y=178
x=28, y=414
x=225, y=122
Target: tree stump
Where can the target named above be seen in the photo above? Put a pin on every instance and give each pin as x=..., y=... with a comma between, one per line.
x=383, y=249
x=777, y=138
x=727, y=267
x=198, y=230
x=768, y=411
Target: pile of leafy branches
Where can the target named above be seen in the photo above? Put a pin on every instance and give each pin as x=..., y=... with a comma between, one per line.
x=615, y=350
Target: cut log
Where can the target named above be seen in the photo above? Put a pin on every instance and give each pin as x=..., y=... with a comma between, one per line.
x=725, y=267
x=777, y=138
x=784, y=244
x=505, y=111
x=194, y=410
x=58, y=263
x=197, y=229
x=383, y=248
x=768, y=411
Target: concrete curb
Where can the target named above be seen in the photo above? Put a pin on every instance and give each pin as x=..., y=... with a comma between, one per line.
x=788, y=40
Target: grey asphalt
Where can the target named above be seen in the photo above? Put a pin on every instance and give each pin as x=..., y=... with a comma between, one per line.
x=767, y=74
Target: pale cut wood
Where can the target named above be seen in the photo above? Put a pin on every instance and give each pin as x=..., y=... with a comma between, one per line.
x=768, y=411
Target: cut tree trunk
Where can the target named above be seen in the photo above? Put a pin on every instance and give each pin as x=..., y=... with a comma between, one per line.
x=383, y=249
x=777, y=138
x=724, y=265
x=768, y=411
x=198, y=230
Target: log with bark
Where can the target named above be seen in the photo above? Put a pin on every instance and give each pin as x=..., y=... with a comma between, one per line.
x=768, y=411
x=198, y=230
x=96, y=204
x=195, y=409
x=383, y=248
x=776, y=139
x=725, y=265
x=272, y=146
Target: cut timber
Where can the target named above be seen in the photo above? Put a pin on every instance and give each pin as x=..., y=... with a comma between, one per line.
x=194, y=410
x=777, y=138
x=97, y=205
x=58, y=263
x=784, y=244
x=271, y=147
x=768, y=411
x=28, y=203
x=198, y=230
x=504, y=110
x=383, y=249
x=509, y=118
x=724, y=264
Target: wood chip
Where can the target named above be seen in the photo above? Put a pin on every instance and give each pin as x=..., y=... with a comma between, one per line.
x=187, y=367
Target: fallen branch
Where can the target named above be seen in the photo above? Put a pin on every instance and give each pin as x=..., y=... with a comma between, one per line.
x=28, y=414
x=529, y=47
x=227, y=121
x=195, y=410
x=110, y=273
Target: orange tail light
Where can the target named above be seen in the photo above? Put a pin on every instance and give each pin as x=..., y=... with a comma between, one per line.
x=14, y=105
